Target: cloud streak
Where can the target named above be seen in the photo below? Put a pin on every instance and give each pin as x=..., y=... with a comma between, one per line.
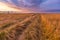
x=36, y=5
x=51, y=6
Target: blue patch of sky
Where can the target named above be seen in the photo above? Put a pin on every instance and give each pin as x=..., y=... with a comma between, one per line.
x=15, y=2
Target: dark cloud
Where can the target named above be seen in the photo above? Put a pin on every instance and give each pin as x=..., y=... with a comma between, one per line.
x=25, y=2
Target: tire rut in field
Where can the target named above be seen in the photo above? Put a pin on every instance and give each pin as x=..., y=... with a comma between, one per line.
x=15, y=30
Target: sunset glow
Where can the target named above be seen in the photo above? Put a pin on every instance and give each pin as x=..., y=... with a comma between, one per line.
x=4, y=7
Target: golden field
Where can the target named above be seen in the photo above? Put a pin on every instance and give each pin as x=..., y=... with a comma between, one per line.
x=29, y=26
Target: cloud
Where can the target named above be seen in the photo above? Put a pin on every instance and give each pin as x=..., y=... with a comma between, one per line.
x=41, y=5
x=50, y=5
x=24, y=2
x=4, y=7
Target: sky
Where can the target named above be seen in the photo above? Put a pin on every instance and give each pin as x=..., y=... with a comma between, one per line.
x=36, y=5
x=4, y=7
